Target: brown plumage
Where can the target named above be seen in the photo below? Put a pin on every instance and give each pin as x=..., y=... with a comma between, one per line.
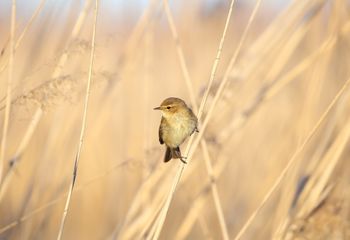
x=178, y=122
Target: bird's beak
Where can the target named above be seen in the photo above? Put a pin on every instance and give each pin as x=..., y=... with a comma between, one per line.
x=156, y=108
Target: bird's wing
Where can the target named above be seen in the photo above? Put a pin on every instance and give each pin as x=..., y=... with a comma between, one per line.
x=160, y=132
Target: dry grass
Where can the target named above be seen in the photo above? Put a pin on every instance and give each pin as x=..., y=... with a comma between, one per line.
x=270, y=161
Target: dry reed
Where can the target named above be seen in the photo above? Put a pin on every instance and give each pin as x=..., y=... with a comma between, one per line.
x=261, y=105
x=83, y=123
x=3, y=146
x=177, y=177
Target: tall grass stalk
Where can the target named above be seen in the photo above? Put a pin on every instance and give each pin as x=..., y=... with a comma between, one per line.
x=8, y=91
x=204, y=146
x=83, y=124
x=178, y=175
x=292, y=160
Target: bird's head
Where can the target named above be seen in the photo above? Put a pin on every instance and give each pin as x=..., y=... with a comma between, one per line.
x=171, y=106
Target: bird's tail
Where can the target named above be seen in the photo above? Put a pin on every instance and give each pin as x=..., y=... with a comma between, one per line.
x=168, y=154
x=172, y=153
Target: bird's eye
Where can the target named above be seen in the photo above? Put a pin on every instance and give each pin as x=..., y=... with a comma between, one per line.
x=168, y=107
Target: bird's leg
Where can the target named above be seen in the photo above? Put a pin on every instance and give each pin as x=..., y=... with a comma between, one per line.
x=183, y=159
x=177, y=154
x=194, y=130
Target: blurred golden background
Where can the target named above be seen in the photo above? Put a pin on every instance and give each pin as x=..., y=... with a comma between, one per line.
x=276, y=141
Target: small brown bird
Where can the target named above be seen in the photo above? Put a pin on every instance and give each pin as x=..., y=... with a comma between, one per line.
x=178, y=122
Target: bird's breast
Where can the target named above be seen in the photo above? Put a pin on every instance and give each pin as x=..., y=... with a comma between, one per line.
x=177, y=129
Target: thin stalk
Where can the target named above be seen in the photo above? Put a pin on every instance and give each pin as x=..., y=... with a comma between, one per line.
x=204, y=147
x=17, y=156
x=83, y=125
x=163, y=213
x=55, y=201
x=292, y=160
x=8, y=91
x=25, y=30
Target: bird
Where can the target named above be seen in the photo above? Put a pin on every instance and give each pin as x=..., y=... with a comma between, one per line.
x=178, y=122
